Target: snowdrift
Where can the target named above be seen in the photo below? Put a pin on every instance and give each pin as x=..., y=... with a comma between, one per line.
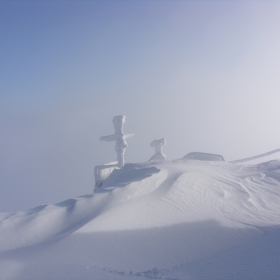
x=183, y=219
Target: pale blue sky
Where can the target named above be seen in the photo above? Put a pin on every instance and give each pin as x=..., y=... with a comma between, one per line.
x=203, y=74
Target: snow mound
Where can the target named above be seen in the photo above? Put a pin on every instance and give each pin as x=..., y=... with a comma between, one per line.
x=148, y=220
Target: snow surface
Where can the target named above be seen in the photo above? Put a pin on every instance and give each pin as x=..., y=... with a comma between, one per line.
x=182, y=219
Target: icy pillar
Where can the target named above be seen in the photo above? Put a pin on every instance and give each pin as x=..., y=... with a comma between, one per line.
x=119, y=137
x=159, y=155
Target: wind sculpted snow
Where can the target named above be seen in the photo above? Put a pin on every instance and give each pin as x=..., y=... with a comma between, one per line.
x=150, y=220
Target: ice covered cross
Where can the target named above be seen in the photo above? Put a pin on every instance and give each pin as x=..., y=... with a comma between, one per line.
x=119, y=137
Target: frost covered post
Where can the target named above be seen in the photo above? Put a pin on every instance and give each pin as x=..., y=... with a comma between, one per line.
x=119, y=137
x=157, y=144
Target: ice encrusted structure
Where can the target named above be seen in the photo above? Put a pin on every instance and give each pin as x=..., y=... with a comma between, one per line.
x=203, y=156
x=159, y=155
x=119, y=137
x=102, y=172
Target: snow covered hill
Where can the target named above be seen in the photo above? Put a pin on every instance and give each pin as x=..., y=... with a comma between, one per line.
x=182, y=219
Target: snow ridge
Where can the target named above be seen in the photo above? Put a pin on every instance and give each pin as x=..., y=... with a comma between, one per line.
x=256, y=157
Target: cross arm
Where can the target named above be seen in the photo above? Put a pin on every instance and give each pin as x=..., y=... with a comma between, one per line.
x=108, y=138
x=129, y=135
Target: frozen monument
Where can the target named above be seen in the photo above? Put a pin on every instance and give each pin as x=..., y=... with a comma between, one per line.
x=159, y=155
x=119, y=137
x=102, y=172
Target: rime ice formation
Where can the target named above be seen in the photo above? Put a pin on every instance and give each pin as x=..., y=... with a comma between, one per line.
x=203, y=156
x=119, y=137
x=157, y=144
x=102, y=172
